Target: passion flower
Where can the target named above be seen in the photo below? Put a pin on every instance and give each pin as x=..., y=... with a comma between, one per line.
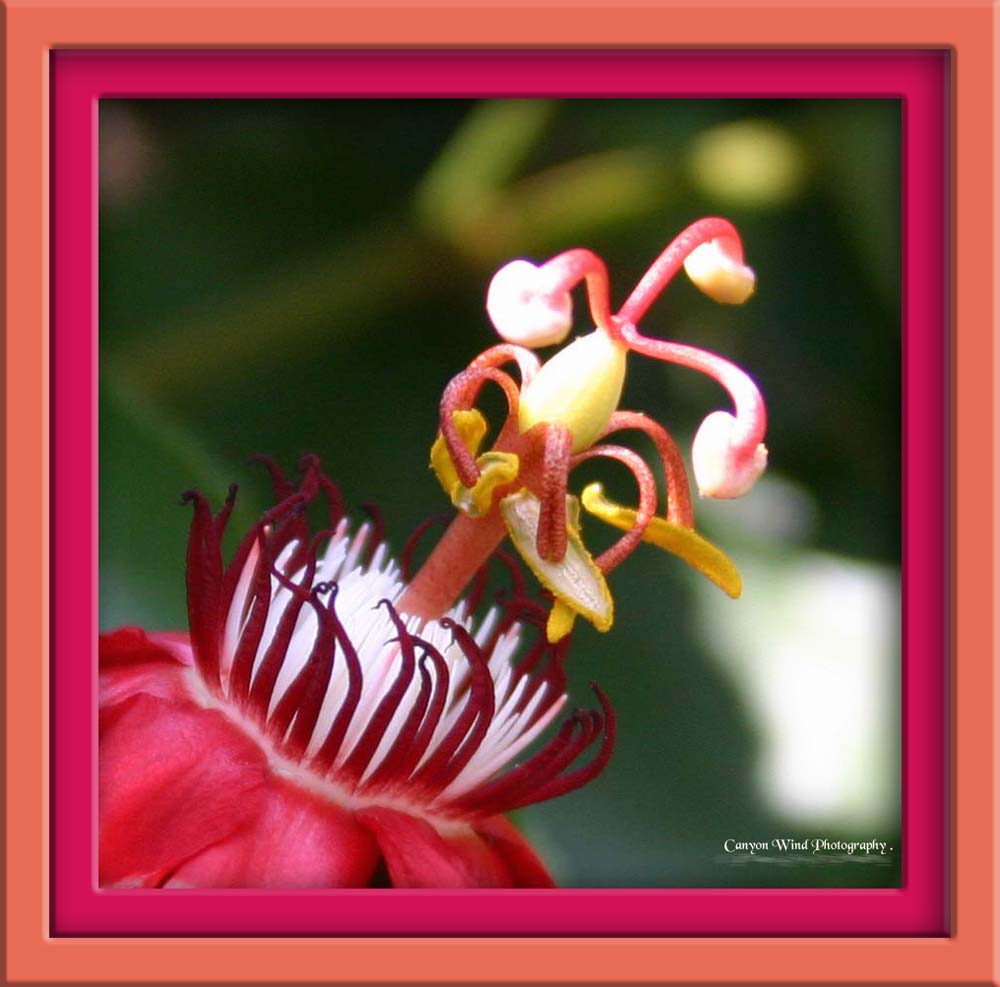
x=308, y=734
x=331, y=720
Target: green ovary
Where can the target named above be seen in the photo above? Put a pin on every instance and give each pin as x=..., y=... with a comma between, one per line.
x=580, y=387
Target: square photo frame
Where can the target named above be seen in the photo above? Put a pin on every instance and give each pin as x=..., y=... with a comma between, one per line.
x=67, y=928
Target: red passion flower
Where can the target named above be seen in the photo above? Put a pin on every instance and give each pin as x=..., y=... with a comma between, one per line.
x=307, y=734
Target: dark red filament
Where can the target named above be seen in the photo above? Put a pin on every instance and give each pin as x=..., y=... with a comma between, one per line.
x=410, y=768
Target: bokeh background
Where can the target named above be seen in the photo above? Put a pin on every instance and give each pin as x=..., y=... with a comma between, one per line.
x=288, y=275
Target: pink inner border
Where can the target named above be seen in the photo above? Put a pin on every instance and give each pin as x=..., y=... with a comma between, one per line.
x=920, y=79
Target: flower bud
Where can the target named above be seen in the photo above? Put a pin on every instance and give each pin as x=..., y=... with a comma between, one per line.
x=523, y=311
x=722, y=469
x=719, y=276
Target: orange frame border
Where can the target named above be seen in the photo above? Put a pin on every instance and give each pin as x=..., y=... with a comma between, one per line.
x=32, y=28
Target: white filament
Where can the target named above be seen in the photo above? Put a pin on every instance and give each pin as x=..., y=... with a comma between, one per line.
x=369, y=626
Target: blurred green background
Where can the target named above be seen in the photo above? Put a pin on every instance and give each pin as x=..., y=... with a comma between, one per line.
x=288, y=275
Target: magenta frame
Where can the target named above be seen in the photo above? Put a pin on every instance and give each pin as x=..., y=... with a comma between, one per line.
x=920, y=79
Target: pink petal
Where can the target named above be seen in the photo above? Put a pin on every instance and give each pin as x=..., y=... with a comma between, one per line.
x=173, y=779
x=524, y=864
x=131, y=645
x=418, y=856
x=299, y=840
x=131, y=661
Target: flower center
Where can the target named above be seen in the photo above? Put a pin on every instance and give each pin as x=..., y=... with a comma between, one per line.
x=309, y=653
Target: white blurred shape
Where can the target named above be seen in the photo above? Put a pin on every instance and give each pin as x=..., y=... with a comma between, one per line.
x=778, y=510
x=814, y=648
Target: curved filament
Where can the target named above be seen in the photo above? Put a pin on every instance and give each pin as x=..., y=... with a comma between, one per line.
x=460, y=395
x=661, y=272
x=496, y=356
x=580, y=264
x=751, y=414
x=628, y=543
x=679, y=509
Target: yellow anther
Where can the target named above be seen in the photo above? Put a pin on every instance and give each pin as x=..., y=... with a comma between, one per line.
x=580, y=387
x=496, y=468
x=683, y=542
x=575, y=580
x=471, y=428
x=560, y=622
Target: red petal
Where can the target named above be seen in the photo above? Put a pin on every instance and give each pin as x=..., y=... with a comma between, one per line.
x=298, y=840
x=173, y=779
x=418, y=856
x=129, y=645
x=527, y=869
x=131, y=661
